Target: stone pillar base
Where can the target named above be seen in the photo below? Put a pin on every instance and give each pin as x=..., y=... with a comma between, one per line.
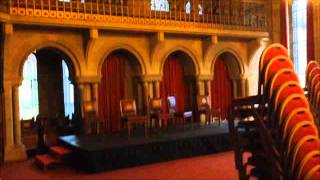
x=15, y=153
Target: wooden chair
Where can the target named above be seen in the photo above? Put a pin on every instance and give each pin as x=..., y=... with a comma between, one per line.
x=203, y=104
x=91, y=119
x=29, y=133
x=130, y=117
x=154, y=110
x=172, y=106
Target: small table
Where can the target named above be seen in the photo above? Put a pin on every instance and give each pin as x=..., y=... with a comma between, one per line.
x=142, y=120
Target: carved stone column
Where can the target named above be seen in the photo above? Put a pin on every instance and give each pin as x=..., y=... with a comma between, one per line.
x=234, y=88
x=156, y=89
x=14, y=149
x=16, y=116
x=145, y=94
x=208, y=89
x=95, y=96
x=9, y=137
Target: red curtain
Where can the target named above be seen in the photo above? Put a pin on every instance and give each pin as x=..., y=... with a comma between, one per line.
x=310, y=32
x=174, y=84
x=221, y=89
x=284, y=23
x=111, y=91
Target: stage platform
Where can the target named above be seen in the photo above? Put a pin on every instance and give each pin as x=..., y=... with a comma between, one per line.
x=97, y=153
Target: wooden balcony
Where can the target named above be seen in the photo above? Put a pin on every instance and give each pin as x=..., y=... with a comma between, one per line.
x=197, y=17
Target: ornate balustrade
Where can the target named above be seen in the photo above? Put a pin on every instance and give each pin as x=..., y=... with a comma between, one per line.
x=248, y=15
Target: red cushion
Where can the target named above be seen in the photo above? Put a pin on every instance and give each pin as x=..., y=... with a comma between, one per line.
x=306, y=147
x=281, y=77
x=270, y=52
x=60, y=150
x=45, y=159
x=312, y=162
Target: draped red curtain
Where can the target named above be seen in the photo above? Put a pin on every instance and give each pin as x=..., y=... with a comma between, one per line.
x=310, y=32
x=284, y=23
x=174, y=84
x=111, y=91
x=221, y=89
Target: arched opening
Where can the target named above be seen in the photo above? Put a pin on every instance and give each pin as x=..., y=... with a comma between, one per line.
x=47, y=91
x=179, y=81
x=121, y=79
x=221, y=85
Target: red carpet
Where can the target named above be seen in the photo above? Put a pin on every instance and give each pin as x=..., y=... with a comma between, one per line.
x=216, y=166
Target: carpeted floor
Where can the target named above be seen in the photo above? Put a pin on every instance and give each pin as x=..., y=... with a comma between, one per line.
x=216, y=166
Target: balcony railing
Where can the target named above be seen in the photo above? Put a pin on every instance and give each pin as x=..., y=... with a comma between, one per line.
x=227, y=14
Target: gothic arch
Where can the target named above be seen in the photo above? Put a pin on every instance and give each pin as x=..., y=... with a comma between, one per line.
x=72, y=62
x=127, y=48
x=236, y=68
x=185, y=51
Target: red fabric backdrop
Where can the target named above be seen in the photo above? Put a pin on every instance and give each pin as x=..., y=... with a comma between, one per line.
x=174, y=84
x=221, y=88
x=310, y=32
x=111, y=91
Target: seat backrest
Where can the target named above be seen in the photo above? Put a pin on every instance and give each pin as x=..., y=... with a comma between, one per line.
x=268, y=53
x=291, y=103
x=128, y=107
x=313, y=174
x=203, y=102
x=281, y=77
x=294, y=117
x=300, y=130
x=311, y=74
x=307, y=147
x=172, y=104
x=314, y=80
x=27, y=125
x=285, y=90
x=310, y=161
x=311, y=65
x=274, y=65
x=271, y=51
x=155, y=105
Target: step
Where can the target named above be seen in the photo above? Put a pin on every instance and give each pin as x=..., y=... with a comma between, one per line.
x=59, y=152
x=46, y=161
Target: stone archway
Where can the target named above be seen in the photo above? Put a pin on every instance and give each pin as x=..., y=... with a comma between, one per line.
x=179, y=80
x=54, y=85
x=121, y=78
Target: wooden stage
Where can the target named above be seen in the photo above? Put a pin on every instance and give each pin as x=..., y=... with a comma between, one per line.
x=96, y=153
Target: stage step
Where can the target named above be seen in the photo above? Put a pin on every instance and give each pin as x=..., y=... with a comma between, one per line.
x=59, y=152
x=57, y=155
x=46, y=161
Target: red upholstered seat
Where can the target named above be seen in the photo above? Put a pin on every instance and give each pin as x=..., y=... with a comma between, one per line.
x=312, y=95
x=312, y=73
x=311, y=65
x=291, y=103
x=314, y=80
x=310, y=161
x=270, y=52
x=300, y=130
x=274, y=65
x=281, y=77
x=294, y=117
x=302, y=151
x=285, y=90
x=314, y=173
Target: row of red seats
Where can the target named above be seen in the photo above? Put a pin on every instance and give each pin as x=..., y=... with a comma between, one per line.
x=313, y=87
x=289, y=117
x=283, y=120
